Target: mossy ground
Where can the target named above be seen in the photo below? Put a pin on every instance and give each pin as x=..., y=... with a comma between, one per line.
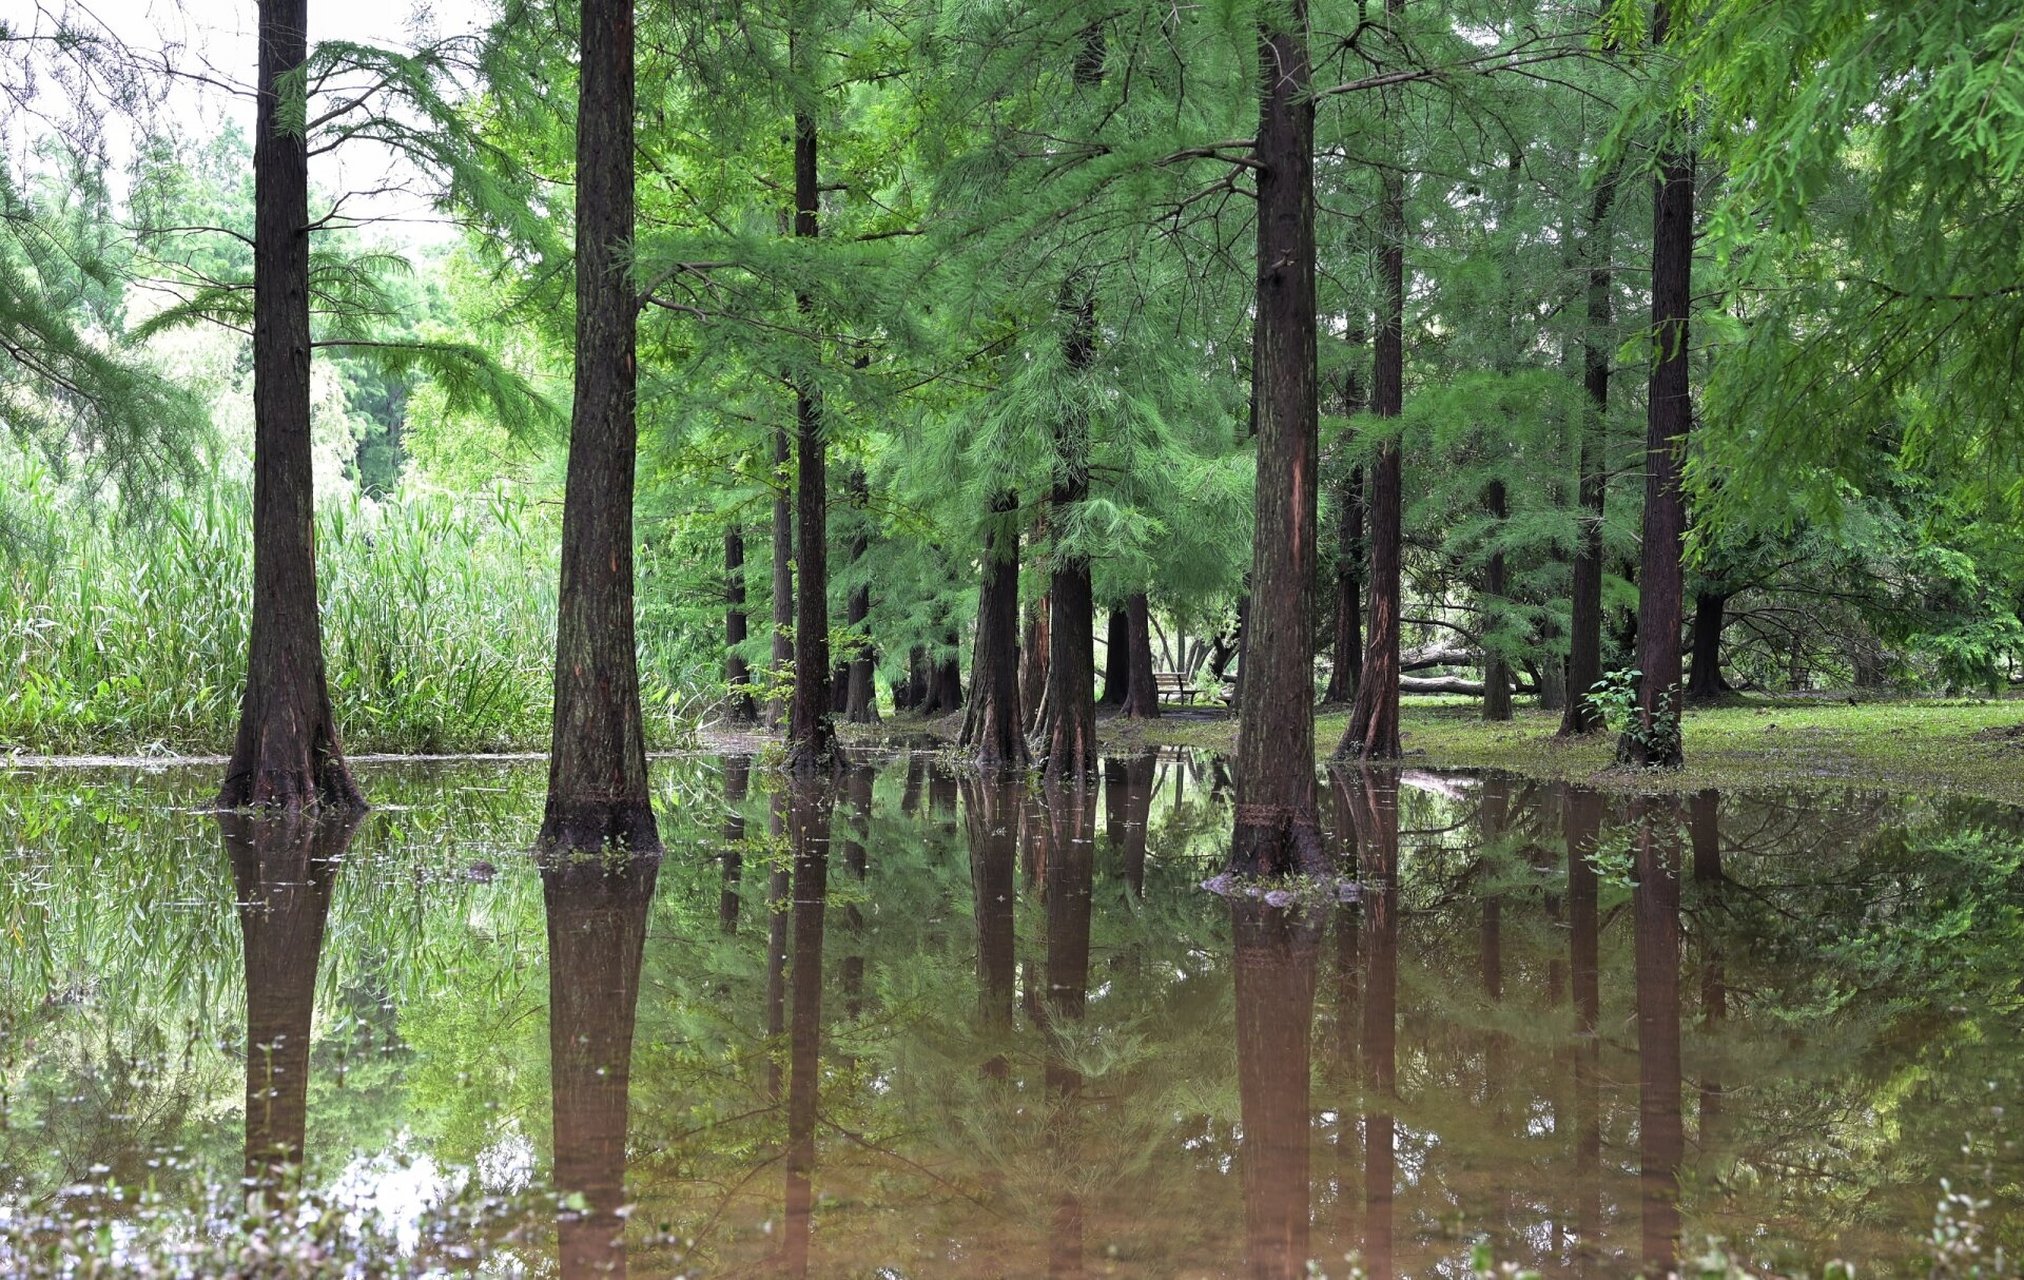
x=1966, y=746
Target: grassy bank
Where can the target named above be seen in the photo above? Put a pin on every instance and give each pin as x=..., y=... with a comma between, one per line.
x=1971, y=747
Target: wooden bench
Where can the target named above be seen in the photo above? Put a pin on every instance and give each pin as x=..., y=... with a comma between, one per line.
x=1174, y=687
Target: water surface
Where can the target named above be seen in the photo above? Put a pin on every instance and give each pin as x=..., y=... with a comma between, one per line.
x=919, y=1024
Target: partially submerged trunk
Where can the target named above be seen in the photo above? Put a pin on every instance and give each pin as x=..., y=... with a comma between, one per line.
x=287, y=753
x=597, y=765
x=1277, y=829
x=992, y=730
x=741, y=710
x=1142, y=687
x=1068, y=724
x=1655, y=741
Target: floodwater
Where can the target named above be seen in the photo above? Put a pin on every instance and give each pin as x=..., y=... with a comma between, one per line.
x=918, y=1024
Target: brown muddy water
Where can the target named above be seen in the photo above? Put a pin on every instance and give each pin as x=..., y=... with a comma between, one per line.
x=918, y=1024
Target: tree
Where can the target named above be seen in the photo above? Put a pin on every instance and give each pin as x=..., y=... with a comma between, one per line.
x=597, y=765
x=287, y=753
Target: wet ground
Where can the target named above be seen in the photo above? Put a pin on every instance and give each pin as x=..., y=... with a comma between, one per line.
x=917, y=1024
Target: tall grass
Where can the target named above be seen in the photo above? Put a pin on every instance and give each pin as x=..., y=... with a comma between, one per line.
x=438, y=621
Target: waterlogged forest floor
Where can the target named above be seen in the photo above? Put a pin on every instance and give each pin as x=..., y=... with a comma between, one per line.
x=1971, y=747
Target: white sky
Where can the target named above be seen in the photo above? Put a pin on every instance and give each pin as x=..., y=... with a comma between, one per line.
x=214, y=40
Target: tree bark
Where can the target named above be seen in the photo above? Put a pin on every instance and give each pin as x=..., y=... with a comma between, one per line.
x=1584, y=640
x=1496, y=668
x=1068, y=725
x=1656, y=743
x=287, y=752
x=811, y=726
x=597, y=766
x=1142, y=689
x=1704, y=672
x=1348, y=641
x=1373, y=732
x=737, y=672
x=1033, y=653
x=992, y=729
x=860, y=702
x=783, y=580
x=1116, y=660
x=1277, y=829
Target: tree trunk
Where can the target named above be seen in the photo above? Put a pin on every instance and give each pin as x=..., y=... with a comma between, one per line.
x=1348, y=641
x=597, y=931
x=1655, y=911
x=811, y=806
x=945, y=678
x=597, y=763
x=283, y=868
x=1116, y=660
x=1033, y=653
x=1584, y=640
x=737, y=672
x=1496, y=668
x=1068, y=726
x=1656, y=741
x=783, y=581
x=1275, y=966
x=1704, y=674
x=1373, y=732
x=1278, y=830
x=860, y=701
x=287, y=752
x=1142, y=689
x=811, y=728
x=992, y=730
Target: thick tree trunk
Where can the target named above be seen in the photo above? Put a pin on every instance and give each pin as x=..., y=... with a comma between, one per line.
x=1704, y=672
x=992, y=730
x=1116, y=660
x=811, y=726
x=1348, y=633
x=1496, y=669
x=1584, y=640
x=1656, y=741
x=1278, y=829
x=597, y=766
x=597, y=931
x=1068, y=725
x=947, y=676
x=737, y=672
x=783, y=581
x=1373, y=732
x=1142, y=689
x=283, y=868
x=860, y=698
x=1033, y=651
x=287, y=752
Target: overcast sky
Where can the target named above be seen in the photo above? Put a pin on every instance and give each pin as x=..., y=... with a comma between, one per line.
x=213, y=49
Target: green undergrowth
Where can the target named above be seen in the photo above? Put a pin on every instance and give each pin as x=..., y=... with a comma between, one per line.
x=1969, y=747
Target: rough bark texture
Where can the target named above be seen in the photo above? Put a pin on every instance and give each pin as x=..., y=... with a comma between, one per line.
x=992, y=730
x=1116, y=660
x=811, y=725
x=1373, y=732
x=1142, y=689
x=1496, y=670
x=783, y=580
x=741, y=709
x=1655, y=743
x=1275, y=966
x=1068, y=715
x=1033, y=651
x=1278, y=830
x=283, y=868
x=860, y=699
x=287, y=753
x=597, y=930
x=1347, y=644
x=597, y=766
x=1704, y=670
x=1584, y=639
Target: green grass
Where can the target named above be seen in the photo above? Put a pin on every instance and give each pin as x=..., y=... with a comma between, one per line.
x=1921, y=745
